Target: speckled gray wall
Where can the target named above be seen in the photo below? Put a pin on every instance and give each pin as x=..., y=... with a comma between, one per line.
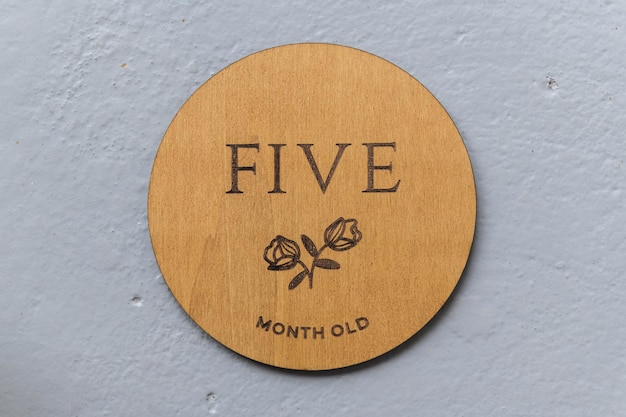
x=536, y=327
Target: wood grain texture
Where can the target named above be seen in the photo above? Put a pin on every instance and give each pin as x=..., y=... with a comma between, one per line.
x=375, y=264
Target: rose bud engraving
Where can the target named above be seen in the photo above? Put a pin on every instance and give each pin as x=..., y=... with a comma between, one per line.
x=342, y=234
x=282, y=254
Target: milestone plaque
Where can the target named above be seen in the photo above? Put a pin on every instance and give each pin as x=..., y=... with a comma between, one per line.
x=312, y=206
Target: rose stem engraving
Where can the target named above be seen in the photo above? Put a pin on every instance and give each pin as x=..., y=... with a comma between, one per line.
x=284, y=254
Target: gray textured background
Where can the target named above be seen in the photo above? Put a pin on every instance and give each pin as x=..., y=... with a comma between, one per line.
x=536, y=327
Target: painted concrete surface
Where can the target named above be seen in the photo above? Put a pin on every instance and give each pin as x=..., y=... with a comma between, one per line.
x=536, y=326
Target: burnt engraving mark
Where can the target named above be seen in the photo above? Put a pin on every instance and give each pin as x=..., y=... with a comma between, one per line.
x=235, y=168
x=371, y=167
x=277, y=148
x=283, y=254
x=306, y=147
x=312, y=332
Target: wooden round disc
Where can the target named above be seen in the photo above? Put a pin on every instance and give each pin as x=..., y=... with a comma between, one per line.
x=312, y=206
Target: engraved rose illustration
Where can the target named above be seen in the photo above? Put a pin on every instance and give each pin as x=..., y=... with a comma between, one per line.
x=342, y=234
x=284, y=254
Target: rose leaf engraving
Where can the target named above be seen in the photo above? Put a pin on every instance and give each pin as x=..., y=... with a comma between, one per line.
x=309, y=245
x=327, y=264
x=298, y=279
